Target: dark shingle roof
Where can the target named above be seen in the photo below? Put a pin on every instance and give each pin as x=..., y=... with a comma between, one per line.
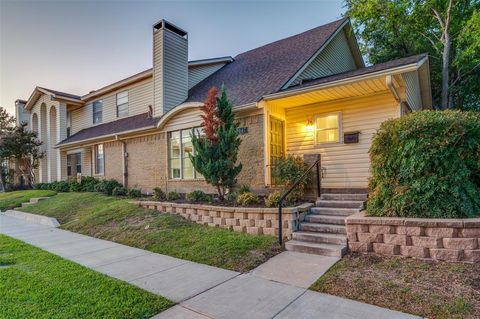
x=68, y=95
x=363, y=71
x=266, y=69
x=115, y=127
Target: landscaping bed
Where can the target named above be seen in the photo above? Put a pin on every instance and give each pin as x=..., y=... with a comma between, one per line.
x=118, y=220
x=38, y=284
x=14, y=199
x=426, y=288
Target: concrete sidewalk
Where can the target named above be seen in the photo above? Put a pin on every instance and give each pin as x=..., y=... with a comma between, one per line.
x=276, y=289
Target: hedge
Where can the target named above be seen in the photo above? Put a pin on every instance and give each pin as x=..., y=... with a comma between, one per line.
x=426, y=164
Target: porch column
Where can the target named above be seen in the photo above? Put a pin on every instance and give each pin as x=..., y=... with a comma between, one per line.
x=62, y=134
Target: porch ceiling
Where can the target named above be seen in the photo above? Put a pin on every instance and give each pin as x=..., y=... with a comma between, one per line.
x=335, y=92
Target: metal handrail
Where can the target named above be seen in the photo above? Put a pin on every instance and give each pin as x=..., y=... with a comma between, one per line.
x=316, y=164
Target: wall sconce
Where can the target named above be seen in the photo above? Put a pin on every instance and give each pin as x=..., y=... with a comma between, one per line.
x=309, y=126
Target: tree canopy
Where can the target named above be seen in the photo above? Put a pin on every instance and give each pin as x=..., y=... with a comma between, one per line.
x=448, y=30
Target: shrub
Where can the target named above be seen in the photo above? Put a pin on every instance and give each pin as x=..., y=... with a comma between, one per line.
x=426, y=164
x=159, y=194
x=231, y=197
x=88, y=183
x=173, y=195
x=247, y=199
x=74, y=186
x=106, y=186
x=134, y=193
x=38, y=186
x=198, y=196
x=119, y=191
x=244, y=189
x=60, y=186
x=287, y=171
x=272, y=199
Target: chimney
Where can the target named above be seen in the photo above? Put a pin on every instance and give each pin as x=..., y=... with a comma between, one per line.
x=170, y=67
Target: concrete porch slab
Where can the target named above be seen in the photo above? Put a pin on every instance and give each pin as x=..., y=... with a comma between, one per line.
x=184, y=281
x=178, y=312
x=245, y=296
x=294, y=268
x=314, y=305
x=138, y=267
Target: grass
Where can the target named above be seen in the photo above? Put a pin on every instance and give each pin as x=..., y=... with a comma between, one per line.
x=37, y=284
x=429, y=289
x=118, y=220
x=14, y=199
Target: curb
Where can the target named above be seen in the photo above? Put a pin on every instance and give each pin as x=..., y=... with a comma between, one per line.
x=32, y=218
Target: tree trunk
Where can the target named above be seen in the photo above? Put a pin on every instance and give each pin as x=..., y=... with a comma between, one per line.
x=445, y=69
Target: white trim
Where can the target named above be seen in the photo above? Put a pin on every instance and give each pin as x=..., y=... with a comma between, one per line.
x=340, y=128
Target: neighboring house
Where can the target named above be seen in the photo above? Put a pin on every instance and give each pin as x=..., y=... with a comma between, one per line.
x=299, y=95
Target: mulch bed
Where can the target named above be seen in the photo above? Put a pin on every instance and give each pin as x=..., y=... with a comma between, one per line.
x=426, y=288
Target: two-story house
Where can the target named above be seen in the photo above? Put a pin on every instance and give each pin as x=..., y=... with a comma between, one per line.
x=306, y=94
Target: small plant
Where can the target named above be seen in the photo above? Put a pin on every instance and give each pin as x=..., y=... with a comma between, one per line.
x=231, y=197
x=74, y=186
x=272, y=199
x=247, y=199
x=119, y=191
x=159, y=194
x=173, y=195
x=288, y=171
x=134, y=193
x=197, y=196
x=244, y=189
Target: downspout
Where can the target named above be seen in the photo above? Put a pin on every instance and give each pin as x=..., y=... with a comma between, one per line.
x=124, y=161
x=393, y=90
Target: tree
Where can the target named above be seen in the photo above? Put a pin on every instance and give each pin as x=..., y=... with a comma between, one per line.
x=216, y=151
x=7, y=124
x=448, y=30
x=22, y=146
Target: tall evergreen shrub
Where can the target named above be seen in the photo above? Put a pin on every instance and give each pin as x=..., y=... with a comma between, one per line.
x=426, y=164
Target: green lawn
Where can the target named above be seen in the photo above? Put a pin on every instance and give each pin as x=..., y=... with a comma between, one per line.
x=14, y=199
x=37, y=284
x=117, y=220
x=429, y=289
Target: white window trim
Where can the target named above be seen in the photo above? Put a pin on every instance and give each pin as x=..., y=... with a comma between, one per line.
x=181, y=178
x=95, y=160
x=340, y=129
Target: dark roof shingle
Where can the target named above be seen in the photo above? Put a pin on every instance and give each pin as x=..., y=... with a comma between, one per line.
x=68, y=95
x=122, y=125
x=266, y=69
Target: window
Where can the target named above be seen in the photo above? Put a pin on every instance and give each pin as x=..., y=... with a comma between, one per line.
x=69, y=165
x=327, y=128
x=179, y=147
x=79, y=163
x=74, y=161
x=69, y=123
x=122, y=104
x=97, y=111
x=99, y=159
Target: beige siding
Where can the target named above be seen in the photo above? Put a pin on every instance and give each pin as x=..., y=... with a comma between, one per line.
x=197, y=73
x=414, y=97
x=335, y=58
x=140, y=96
x=183, y=120
x=347, y=165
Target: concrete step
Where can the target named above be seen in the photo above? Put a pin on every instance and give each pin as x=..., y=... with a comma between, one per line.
x=26, y=204
x=347, y=197
x=340, y=203
x=37, y=199
x=320, y=238
x=315, y=248
x=326, y=219
x=333, y=211
x=323, y=228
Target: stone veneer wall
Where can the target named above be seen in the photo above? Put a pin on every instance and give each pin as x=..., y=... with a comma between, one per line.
x=437, y=239
x=251, y=220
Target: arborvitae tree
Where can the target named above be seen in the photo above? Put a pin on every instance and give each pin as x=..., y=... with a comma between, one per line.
x=216, y=154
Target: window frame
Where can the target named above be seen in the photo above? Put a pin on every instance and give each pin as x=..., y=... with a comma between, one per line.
x=96, y=152
x=97, y=111
x=181, y=158
x=125, y=103
x=339, y=128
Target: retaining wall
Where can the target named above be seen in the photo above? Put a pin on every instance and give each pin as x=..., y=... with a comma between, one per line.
x=241, y=219
x=455, y=240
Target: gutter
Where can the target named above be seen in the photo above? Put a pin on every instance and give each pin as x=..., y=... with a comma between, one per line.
x=392, y=71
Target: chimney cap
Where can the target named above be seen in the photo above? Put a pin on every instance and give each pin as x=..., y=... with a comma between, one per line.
x=164, y=24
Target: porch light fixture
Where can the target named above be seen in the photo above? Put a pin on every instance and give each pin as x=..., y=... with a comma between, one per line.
x=309, y=126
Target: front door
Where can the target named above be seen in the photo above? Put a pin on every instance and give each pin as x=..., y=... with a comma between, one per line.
x=277, y=150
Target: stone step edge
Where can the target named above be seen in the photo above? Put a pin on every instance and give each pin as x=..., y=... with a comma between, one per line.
x=32, y=218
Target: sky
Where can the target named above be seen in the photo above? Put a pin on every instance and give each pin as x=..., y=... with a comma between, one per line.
x=79, y=46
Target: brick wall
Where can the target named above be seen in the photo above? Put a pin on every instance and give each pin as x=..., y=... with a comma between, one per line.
x=256, y=221
x=455, y=240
